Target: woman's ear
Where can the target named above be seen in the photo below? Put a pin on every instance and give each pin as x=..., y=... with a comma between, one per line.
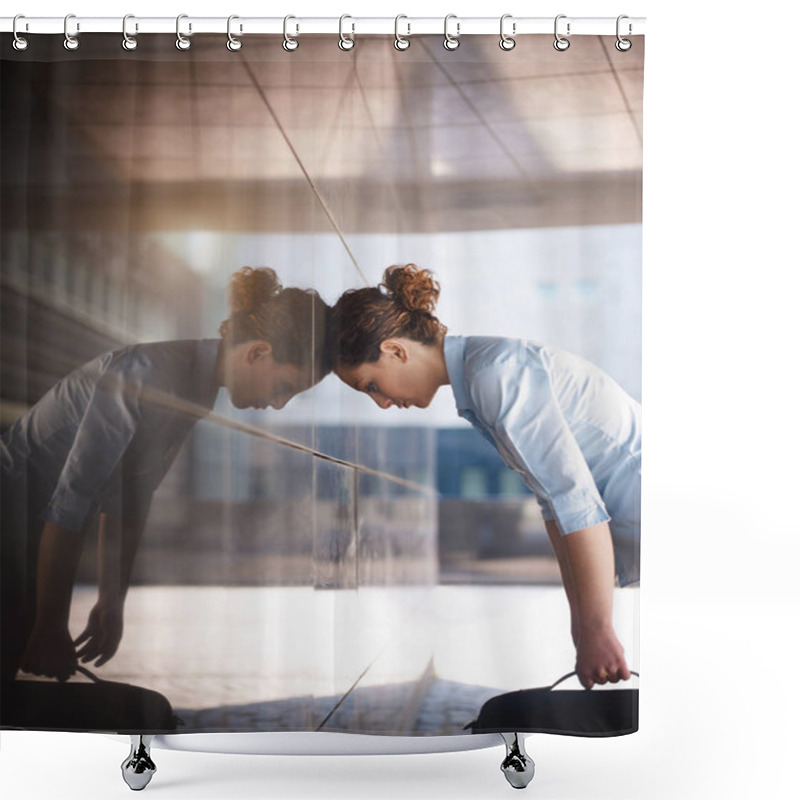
x=258, y=350
x=395, y=349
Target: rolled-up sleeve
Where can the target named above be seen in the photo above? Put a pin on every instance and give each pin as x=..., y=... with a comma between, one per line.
x=517, y=403
x=107, y=427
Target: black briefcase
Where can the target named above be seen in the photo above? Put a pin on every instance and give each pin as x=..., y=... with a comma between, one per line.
x=612, y=712
x=83, y=707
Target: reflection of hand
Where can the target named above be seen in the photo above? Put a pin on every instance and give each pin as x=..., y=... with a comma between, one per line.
x=50, y=652
x=601, y=658
x=102, y=633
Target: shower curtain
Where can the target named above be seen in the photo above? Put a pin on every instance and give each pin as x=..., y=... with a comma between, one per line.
x=329, y=565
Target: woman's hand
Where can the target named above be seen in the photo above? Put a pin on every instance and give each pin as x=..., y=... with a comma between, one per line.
x=50, y=652
x=601, y=658
x=102, y=633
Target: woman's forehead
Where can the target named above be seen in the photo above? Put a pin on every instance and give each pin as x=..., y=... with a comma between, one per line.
x=353, y=376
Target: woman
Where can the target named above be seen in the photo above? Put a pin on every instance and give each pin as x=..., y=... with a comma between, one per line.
x=96, y=446
x=566, y=427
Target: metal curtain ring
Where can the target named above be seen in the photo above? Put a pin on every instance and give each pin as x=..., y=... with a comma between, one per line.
x=20, y=43
x=451, y=42
x=70, y=42
x=290, y=43
x=233, y=43
x=561, y=44
x=182, y=43
x=346, y=42
x=506, y=41
x=128, y=42
x=400, y=42
x=623, y=45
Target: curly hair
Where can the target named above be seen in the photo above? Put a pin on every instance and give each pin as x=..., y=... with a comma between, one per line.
x=294, y=321
x=401, y=306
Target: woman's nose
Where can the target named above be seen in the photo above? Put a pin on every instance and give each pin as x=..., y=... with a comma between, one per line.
x=278, y=404
x=383, y=402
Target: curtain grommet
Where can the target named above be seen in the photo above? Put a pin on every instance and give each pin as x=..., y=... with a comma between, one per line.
x=182, y=42
x=20, y=43
x=290, y=43
x=451, y=42
x=401, y=43
x=623, y=45
x=561, y=43
x=71, y=43
x=507, y=42
x=233, y=44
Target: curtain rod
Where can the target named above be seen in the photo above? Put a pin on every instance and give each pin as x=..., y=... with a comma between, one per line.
x=347, y=25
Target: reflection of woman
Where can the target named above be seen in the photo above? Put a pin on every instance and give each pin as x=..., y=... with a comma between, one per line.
x=97, y=445
x=572, y=433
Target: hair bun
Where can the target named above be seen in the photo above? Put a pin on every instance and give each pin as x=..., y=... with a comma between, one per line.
x=252, y=287
x=412, y=288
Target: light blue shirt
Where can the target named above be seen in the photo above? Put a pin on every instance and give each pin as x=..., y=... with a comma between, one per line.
x=104, y=436
x=571, y=432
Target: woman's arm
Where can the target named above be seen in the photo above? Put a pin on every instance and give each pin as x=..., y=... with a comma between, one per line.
x=559, y=548
x=50, y=650
x=586, y=558
x=110, y=419
x=117, y=543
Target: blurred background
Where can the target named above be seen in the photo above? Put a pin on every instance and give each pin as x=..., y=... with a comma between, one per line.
x=135, y=184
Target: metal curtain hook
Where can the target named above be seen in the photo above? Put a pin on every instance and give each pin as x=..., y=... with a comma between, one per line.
x=561, y=44
x=70, y=42
x=182, y=43
x=451, y=42
x=346, y=42
x=623, y=45
x=290, y=43
x=400, y=42
x=20, y=43
x=506, y=41
x=128, y=42
x=233, y=44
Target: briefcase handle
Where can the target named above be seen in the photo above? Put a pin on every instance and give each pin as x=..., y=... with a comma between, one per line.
x=572, y=674
x=88, y=674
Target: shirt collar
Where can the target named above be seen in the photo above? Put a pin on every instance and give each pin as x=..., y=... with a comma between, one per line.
x=454, y=347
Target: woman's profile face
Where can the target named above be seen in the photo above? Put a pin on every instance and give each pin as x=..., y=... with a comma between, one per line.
x=397, y=378
x=256, y=380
